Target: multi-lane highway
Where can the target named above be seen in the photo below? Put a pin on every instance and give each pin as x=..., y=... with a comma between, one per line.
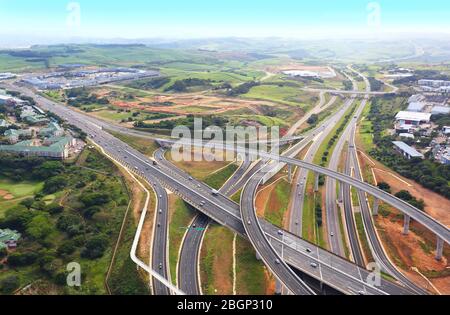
x=160, y=239
x=188, y=272
x=215, y=206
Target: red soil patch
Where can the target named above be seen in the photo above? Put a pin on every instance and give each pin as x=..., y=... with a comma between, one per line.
x=436, y=205
x=8, y=197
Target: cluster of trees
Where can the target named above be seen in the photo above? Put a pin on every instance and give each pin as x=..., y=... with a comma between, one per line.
x=149, y=84
x=243, y=88
x=55, y=234
x=318, y=211
x=404, y=195
x=82, y=96
x=422, y=74
x=188, y=122
x=336, y=136
x=313, y=120
x=348, y=85
x=430, y=174
x=28, y=168
x=183, y=85
x=375, y=85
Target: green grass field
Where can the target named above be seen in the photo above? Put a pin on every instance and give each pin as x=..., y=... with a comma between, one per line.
x=18, y=190
x=180, y=219
x=250, y=272
x=284, y=95
x=218, y=179
x=278, y=203
x=216, y=258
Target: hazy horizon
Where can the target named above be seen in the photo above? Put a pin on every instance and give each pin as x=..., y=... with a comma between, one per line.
x=26, y=22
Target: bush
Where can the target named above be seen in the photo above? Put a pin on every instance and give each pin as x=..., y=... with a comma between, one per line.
x=22, y=259
x=39, y=227
x=95, y=247
x=9, y=284
x=55, y=208
x=384, y=186
x=3, y=253
x=55, y=184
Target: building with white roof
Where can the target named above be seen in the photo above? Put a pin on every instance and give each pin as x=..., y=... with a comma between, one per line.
x=412, y=118
x=416, y=106
x=407, y=151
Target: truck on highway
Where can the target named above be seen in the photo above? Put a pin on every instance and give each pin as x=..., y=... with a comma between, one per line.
x=215, y=192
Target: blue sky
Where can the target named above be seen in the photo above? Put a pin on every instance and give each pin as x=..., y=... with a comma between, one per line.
x=215, y=18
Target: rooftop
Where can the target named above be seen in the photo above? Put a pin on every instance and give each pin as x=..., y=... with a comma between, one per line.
x=407, y=149
x=414, y=116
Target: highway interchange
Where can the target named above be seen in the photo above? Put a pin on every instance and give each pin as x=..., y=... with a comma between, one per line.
x=271, y=243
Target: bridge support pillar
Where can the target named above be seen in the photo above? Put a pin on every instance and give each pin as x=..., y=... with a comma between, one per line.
x=376, y=204
x=406, y=221
x=290, y=173
x=316, y=182
x=439, y=248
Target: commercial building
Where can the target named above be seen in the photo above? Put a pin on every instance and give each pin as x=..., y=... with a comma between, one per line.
x=440, y=110
x=434, y=83
x=407, y=121
x=7, y=76
x=406, y=150
x=416, y=106
x=58, y=148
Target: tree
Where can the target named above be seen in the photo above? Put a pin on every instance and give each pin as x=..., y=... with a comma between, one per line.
x=9, y=284
x=39, y=227
x=95, y=247
x=55, y=208
x=22, y=259
x=55, y=184
x=49, y=169
x=384, y=186
x=17, y=218
x=3, y=253
x=95, y=199
x=27, y=202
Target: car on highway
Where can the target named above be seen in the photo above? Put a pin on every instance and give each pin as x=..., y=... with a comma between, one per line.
x=280, y=232
x=314, y=265
x=160, y=265
x=277, y=261
x=308, y=250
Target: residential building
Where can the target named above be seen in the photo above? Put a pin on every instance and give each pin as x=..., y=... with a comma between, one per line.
x=406, y=150
x=9, y=238
x=446, y=130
